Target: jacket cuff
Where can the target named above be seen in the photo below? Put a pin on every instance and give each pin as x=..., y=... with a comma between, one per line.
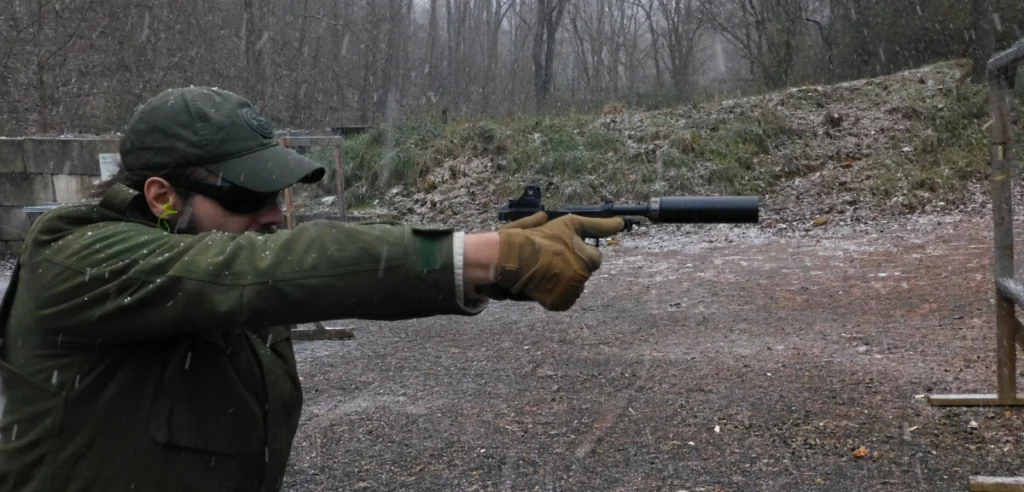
x=474, y=306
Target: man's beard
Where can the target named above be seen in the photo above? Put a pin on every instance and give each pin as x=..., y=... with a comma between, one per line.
x=268, y=229
x=189, y=223
x=186, y=224
x=184, y=227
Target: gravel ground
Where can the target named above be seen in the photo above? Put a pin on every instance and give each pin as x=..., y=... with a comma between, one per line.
x=696, y=360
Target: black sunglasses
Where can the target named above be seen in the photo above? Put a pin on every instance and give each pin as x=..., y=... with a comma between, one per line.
x=232, y=197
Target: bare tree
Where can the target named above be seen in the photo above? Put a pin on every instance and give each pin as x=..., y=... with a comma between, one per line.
x=767, y=33
x=984, y=38
x=684, y=20
x=84, y=65
x=549, y=18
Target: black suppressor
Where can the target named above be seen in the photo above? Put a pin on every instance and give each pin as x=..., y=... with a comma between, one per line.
x=670, y=210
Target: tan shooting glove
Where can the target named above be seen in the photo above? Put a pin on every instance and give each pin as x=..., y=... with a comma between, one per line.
x=548, y=262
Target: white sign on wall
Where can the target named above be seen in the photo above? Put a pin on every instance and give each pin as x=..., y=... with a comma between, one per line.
x=109, y=165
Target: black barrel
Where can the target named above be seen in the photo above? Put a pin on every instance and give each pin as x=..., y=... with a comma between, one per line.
x=706, y=209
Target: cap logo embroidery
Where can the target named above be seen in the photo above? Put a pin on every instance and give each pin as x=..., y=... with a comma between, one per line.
x=258, y=123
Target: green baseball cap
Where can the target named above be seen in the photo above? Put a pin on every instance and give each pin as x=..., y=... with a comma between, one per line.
x=217, y=130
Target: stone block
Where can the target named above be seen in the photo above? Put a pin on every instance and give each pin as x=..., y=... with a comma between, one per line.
x=12, y=155
x=67, y=155
x=14, y=224
x=21, y=189
x=70, y=188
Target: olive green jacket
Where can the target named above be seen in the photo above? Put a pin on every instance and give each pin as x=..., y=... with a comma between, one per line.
x=137, y=359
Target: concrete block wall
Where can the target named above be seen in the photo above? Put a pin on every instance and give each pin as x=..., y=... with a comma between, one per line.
x=41, y=170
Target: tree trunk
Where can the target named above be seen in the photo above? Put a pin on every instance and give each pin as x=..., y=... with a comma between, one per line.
x=549, y=16
x=984, y=38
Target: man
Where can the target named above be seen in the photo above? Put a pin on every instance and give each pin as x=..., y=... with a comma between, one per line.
x=146, y=332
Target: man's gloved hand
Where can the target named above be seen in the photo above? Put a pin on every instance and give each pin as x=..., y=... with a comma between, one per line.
x=548, y=262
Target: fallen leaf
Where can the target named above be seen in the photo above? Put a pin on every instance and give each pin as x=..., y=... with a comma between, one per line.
x=861, y=452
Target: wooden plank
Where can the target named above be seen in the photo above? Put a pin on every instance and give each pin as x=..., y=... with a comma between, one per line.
x=311, y=141
x=971, y=400
x=321, y=332
x=1012, y=289
x=981, y=483
x=1007, y=57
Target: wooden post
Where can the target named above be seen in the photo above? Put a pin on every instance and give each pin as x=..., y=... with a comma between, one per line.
x=288, y=202
x=341, y=180
x=1001, y=154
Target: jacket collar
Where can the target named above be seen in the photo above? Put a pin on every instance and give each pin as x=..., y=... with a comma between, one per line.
x=125, y=201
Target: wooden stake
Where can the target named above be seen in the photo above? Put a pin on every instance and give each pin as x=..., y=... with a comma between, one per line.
x=321, y=332
x=289, y=203
x=341, y=180
x=1002, y=214
x=289, y=214
x=997, y=484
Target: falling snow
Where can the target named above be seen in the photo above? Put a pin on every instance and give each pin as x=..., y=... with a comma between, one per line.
x=699, y=357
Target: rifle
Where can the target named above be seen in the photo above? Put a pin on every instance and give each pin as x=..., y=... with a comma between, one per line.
x=668, y=209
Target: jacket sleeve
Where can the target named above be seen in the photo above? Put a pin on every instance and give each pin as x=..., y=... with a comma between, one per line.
x=128, y=281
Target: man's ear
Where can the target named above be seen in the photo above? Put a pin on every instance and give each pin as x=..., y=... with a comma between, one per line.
x=158, y=193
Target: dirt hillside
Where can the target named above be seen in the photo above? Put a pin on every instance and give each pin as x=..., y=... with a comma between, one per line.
x=833, y=156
